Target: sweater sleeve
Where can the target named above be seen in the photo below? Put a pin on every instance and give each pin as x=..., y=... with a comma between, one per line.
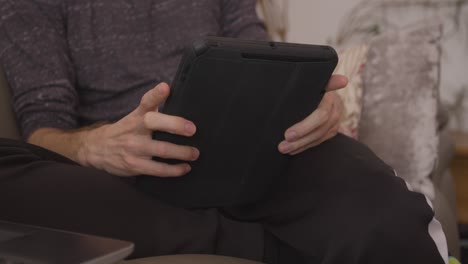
x=240, y=20
x=34, y=55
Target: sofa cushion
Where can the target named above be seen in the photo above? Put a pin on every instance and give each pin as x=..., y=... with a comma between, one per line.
x=400, y=101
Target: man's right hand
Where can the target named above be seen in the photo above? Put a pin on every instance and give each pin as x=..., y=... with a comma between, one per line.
x=126, y=148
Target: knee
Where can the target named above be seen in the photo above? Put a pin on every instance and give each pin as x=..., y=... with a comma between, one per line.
x=396, y=224
x=401, y=222
x=407, y=230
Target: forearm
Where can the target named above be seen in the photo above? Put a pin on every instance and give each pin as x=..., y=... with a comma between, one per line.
x=126, y=148
x=73, y=144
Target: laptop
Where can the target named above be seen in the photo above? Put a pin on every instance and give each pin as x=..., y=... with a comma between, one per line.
x=23, y=244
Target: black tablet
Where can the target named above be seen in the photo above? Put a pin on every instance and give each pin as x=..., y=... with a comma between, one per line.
x=242, y=95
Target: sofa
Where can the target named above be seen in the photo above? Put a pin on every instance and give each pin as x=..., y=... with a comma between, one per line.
x=443, y=197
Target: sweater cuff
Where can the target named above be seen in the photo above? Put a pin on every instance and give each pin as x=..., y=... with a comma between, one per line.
x=35, y=121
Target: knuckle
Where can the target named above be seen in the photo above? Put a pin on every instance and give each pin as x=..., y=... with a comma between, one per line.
x=328, y=96
x=170, y=170
x=130, y=144
x=128, y=163
x=159, y=171
x=145, y=101
x=178, y=171
x=148, y=120
x=178, y=125
x=162, y=150
x=181, y=124
x=322, y=115
x=166, y=170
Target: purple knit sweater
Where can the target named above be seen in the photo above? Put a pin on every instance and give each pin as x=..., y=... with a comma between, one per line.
x=72, y=63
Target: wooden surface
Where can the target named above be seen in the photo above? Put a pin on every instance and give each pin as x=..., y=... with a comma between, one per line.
x=460, y=174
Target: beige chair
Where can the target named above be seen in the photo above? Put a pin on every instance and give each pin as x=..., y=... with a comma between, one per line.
x=444, y=204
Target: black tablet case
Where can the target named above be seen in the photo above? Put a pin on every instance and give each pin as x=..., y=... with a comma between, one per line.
x=242, y=95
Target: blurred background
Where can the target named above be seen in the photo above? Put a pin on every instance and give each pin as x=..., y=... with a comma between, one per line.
x=344, y=23
x=350, y=23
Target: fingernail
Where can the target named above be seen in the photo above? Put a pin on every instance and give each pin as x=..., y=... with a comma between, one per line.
x=187, y=168
x=285, y=147
x=163, y=88
x=291, y=136
x=190, y=128
x=195, y=154
x=160, y=88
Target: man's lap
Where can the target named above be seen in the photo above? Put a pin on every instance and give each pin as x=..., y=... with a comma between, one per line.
x=336, y=191
x=43, y=188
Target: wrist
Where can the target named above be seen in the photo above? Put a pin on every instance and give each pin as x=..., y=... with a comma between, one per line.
x=90, y=141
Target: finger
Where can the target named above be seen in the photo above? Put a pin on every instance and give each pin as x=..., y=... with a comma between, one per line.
x=326, y=111
x=160, y=169
x=168, y=150
x=314, y=121
x=314, y=135
x=331, y=133
x=337, y=82
x=153, y=98
x=287, y=147
x=156, y=121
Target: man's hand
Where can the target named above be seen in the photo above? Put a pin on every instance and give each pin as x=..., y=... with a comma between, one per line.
x=126, y=147
x=321, y=125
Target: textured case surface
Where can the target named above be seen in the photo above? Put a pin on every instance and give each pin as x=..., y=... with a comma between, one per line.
x=242, y=95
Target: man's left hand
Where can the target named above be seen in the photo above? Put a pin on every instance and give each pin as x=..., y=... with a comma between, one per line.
x=319, y=126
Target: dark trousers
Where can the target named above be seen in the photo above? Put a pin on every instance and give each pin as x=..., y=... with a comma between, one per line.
x=338, y=203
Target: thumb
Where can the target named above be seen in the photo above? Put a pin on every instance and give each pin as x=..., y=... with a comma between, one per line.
x=153, y=98
x=337, y=82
